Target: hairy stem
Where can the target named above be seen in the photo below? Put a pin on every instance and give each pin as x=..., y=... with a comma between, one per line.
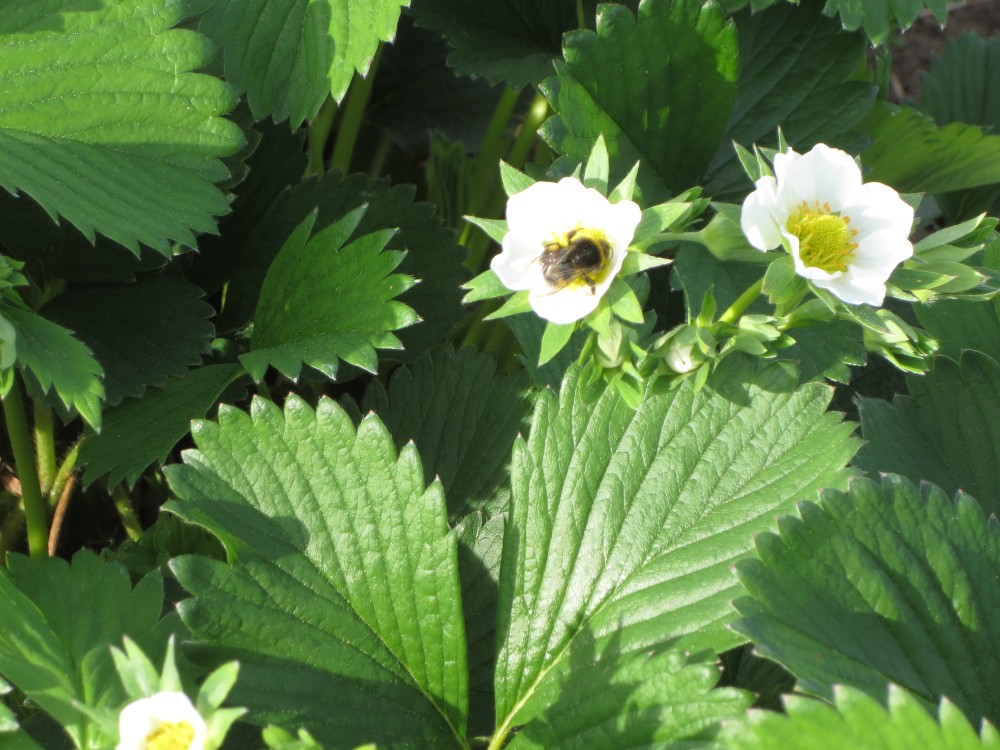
x=45, y=447
x=60, y=514
x=123, y=504
x=742, y=302
x=27, y=473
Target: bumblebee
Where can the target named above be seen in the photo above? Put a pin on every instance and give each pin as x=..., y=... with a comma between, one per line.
x=581, y=256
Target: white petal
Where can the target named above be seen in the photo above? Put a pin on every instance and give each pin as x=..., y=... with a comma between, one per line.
x=783, y=162
x=759, y=218
x=545, y=208
x=827, y=175
x=856, y=291
x=618, y=220
x=876, y=207
x=517, y=266
x=564, y=305
x=879, y=253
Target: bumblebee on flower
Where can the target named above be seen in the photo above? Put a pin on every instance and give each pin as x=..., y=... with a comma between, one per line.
x=564, y=245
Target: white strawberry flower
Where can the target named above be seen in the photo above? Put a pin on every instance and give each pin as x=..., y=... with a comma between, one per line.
x=564, y=245
x=844, y=236
x=165, y=721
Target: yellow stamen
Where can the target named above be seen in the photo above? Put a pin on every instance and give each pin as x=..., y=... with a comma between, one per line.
x=169, y=736
x=824, y=237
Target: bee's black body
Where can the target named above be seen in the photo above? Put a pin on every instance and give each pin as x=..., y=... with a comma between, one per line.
x=581, y=258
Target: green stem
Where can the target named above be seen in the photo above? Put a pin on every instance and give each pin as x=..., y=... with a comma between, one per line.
x=65, y=470
x=529, y=130
x=319, y=132
x=742, y=302
x=581, y=19
x=27, y=473
x=479, y=243
x=123, y=504
x=380, y=155
x=354, y=113
x=484, y=166
x=45, y=447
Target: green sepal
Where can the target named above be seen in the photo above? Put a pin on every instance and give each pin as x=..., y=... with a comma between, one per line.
x=216, y=687
x=709, y=307
x=918, y=278
x=555, y=337
x=963, y=278
x=514, y=180
x=486, y=285
x=865, y=316
x=656, y=219
x=724, y=238
x=518, y=303
x=750, y=163
x=637, y=261
x=598, y=169
x=782, y=285
x=600, y=319
x=494, y=228
x=967, y=230
x=623, y=302
x=625, y=190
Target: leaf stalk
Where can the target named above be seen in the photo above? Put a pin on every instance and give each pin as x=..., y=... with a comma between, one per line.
x=27, y=472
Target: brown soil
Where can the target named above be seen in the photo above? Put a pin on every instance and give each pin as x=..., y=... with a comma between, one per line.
x=926, y=39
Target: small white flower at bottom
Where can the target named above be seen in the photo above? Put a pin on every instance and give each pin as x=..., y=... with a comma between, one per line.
x=165, y=721
x=844, y=236
x=564, y=245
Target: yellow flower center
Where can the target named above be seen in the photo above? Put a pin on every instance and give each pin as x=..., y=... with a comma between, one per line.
x=169, y=736
x=824, y=237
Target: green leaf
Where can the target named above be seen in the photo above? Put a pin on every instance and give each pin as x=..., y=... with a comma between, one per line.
x=462, y=416
x=947, y=430
x=858, y=723
x=486, y=285
x=416, y=94
x=610, y=702
x=289, y=55
x=963, y=324
x=957, y=88
x=58, y=363
x=141, y=431
x=914, y=155
x=432, y=254
x=797, y=71
x=625, y=522
x=886, y=583
x=140, y=333
x=827, y=350
x=480, y=545
x=342, y=598
x=86, y=104
x=58, y=251
x=325, y=299
x=876, y=17
x=514, y=41
x=668, y=112
x=57, y=654
x=278, y=163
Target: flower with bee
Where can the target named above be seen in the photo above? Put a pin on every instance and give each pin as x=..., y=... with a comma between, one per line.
x=564, y=245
